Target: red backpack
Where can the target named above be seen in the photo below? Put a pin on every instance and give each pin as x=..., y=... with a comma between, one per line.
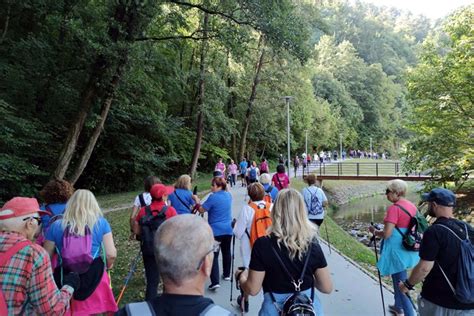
x=3, y=261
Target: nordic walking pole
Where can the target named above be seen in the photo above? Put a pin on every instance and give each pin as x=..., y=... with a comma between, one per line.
x=232, y=267
x=378, y=271
x=412, y=304
x=129, y=275
x=327, y=236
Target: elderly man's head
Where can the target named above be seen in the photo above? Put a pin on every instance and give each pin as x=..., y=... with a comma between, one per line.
x=21, y=215
x=184, y=248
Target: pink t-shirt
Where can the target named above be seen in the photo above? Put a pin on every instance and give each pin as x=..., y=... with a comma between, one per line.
x=232, y=168
x=283, y=179
x=220, y=166
x=397, y=216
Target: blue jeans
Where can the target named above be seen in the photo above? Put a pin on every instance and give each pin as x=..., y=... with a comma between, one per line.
x=268, y=307
x=402, y=302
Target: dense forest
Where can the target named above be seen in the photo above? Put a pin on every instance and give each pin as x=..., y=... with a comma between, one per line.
x=103, y=93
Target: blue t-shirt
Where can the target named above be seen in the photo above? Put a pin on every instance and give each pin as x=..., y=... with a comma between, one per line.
x=219, y=209
x=102, y=227
x=273, y=192
x=186, y=197
x=55, y=209
x=243, y=167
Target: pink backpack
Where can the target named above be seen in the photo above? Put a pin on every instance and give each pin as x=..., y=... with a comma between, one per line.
x=3, y=261
x=76, y=251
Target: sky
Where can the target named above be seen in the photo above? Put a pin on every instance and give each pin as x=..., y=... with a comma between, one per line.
x=433, y=9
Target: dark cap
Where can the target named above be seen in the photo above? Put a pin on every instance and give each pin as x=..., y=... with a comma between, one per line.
x=440, y=196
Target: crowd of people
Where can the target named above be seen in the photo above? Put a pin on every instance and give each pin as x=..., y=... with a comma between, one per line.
x=56, y=257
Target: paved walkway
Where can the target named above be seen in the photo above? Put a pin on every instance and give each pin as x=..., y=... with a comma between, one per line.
x=355, y=293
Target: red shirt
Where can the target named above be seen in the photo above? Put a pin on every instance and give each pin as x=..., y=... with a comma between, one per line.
x=397, y=216
x=156, y=207
x=283, y=179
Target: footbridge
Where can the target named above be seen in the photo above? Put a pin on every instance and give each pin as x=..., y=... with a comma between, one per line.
x=370, y=170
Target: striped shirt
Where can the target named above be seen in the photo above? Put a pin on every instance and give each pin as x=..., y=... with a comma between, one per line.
x=27, y=282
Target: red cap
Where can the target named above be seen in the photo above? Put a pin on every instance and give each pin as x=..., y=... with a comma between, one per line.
x=20, y=206
x=158, y=190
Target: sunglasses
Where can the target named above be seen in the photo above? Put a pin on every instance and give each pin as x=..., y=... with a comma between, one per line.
x=38, y=219
x=387, y=191
x=216, y=247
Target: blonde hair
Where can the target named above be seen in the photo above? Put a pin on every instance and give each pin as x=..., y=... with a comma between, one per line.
x=82, y=210
x=183, y=182
x=290, y=223
x=397, y=186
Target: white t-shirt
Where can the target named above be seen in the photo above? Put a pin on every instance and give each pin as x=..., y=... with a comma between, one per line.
x=146, y=198
x=244, y=222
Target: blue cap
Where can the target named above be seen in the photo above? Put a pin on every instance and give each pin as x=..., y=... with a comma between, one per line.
x=440, y=196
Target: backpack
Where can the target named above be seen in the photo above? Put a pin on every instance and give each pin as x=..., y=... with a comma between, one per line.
x=268, y=196
x=316, y=206
x=149, y=224
x=264, y=167
x=146, y=309
x=464, y=291
x=411, y=239
x=75, y=254
x=5, y=258
x=297, y=304
x=253, y=173
x=260, y=223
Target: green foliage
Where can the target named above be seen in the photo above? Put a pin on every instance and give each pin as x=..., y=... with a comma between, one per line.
x=440, y=92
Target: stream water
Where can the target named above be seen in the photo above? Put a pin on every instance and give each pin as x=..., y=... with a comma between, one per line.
x=356, y=216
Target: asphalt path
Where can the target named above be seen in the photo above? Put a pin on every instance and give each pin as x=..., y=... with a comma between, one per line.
x=355, y=291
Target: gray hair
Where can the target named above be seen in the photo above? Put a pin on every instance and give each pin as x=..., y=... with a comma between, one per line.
x=16, y=224
x=397, y=186
x=181, y=242
x=265, y=178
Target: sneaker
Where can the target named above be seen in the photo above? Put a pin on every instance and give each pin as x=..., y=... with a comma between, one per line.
x=226, y=278
x=246, y=304
x=214, y=287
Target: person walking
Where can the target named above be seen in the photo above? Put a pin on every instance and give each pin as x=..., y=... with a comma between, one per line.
x=83, y=233
x=243, y=226
x=159, y=196
x=220, y=166
x=243, y=171
x=142, y=200
x=280, y=179
x=270, y=190
x=185, y=264
x=315, y=200
x=252, y=173
x=219, y=209
x=183, y=199
x=394, y=258
x=232, y=169
x=26, y=281
x=264, y=166
x=293, y=238
x=296, y=164
x=440, y=252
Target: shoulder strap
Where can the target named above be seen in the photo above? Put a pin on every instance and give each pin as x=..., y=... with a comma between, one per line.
x=279, y=182
x=403, y=209
x=454, y=233
x=182, y=202
x=140, y=309
x=142, y=200
x=148, y=210
x=163, y=210
x=214, y=310
x=12, y=251
x=300, y=280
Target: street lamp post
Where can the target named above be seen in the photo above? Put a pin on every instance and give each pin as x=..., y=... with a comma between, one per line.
x=287, y=100
x=340, y=146
x=371, y=154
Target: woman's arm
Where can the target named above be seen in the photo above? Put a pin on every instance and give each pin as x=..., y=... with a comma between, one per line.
x=251, y=281
x=49, y=247
x=323, y=280
x=110, y=250
x=385, y=233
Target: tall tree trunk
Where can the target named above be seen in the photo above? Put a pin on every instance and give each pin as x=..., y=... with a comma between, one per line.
x=253, y=94
x=124, y=18
x=109, y=96
x=200, y=100
x=87, y=97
